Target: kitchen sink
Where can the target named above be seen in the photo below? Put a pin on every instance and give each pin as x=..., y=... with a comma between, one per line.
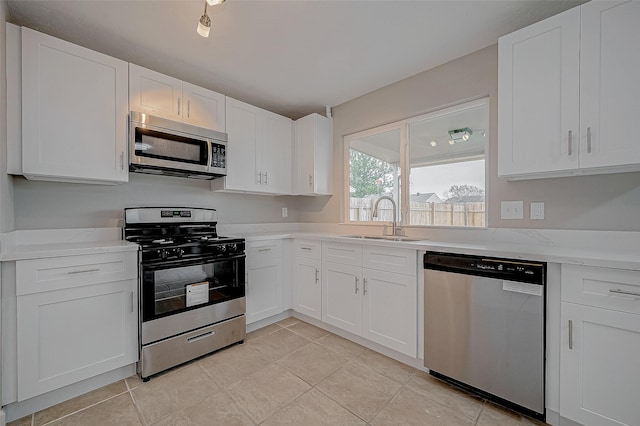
x=382, y=237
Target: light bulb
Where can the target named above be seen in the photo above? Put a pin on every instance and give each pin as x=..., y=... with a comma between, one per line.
x=204, y=26
x=433, y=143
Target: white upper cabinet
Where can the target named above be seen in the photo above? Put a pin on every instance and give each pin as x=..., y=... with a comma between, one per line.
x=609, y=84
x=538, y=105
x=313, y=147
x=568, y=91
x=74, y=112
x=258, y=152
x=164, y=96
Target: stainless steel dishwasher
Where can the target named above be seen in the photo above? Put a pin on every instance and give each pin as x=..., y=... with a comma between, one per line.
x=484, y=327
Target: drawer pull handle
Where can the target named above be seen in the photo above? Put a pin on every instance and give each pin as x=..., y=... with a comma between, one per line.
x=570, y=334
x=266, y=249
x=305, y=248
x=317, y=278
x=620, y=291
x=364, y=286
x=569, y=142
x=199, y=336
x=356, y=285
x=84, y=271
x=589, y=140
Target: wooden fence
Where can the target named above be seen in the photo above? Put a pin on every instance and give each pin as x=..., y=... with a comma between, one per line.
x=437, y=214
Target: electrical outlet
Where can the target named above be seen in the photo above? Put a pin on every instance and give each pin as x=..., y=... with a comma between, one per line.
x=536, y=210
x=512, y=210
x=285, y=212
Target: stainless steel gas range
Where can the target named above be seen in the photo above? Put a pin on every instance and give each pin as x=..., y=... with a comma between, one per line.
x=192, y=285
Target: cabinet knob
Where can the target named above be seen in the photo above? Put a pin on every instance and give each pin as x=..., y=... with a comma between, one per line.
x=178, y=105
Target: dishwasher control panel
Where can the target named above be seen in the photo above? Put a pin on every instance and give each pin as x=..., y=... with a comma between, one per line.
x=507, y=269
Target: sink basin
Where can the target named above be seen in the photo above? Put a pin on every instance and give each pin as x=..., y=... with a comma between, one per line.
x=382, y=237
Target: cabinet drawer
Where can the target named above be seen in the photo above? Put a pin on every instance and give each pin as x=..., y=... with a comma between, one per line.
x=308, y=248
x=400, y=261
x=347, y=254
x=617, y=289
x=38, y=275
x=263, y=250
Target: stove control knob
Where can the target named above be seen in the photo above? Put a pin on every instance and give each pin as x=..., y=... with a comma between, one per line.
x=163, y=253
x=232, y=248
x=179, y=252
x=222, y=248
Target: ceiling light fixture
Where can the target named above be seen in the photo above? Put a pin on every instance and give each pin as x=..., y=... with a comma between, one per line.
x=433, y=143
x=204, y=25
x=460, y=135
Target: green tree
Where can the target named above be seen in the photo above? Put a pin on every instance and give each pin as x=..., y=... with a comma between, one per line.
x=368, y=175
x=459, y=191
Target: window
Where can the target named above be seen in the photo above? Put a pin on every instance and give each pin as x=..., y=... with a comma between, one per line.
x=431, y=166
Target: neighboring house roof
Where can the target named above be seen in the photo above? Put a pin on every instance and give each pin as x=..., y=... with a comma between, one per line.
x=466, y=199
x=427, y=197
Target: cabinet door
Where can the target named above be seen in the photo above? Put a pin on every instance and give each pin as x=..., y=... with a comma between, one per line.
x=314, y=154
x=203, y=107
x=69, y=335
x=74, y=112
x=243, y=128
x=154, y=93
x=390, y=310
x=342, y=296
x=599, y=369
x=538, y=97
x=275, y=153
x=307, y=287
x=609, y=84
x=263, y=290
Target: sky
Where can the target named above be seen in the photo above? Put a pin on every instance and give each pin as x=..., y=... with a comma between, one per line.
x=439, y=178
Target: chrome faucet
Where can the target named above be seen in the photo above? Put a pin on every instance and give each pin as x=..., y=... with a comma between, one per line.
x=395, y=229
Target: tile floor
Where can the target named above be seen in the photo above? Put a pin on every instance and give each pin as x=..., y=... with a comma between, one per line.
x=289, y=373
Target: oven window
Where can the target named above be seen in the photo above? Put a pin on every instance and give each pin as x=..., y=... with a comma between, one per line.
x=172, y=290
x=150, y=143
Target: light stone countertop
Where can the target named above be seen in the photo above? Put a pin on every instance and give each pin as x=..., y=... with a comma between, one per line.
x=46, y=243
x=599, y=249
x=620, y=259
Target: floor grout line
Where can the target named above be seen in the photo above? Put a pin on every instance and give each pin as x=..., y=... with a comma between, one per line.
x=80, y=410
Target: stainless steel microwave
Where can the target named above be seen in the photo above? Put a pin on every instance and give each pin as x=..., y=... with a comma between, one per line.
x=166, y=147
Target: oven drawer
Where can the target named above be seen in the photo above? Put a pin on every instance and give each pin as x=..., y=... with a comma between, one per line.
x=263, y=250
x=609, y=288
x=56, y=273
x=161, y=355
x=308, y=248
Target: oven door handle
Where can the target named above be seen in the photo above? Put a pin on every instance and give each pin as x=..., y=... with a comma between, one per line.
x=189, y=262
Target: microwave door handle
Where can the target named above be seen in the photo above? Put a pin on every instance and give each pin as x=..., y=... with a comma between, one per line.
x=209, y=154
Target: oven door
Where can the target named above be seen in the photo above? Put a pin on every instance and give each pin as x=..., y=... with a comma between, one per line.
x=172, y=288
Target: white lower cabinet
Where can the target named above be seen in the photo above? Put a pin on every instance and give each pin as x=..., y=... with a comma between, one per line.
x=307, y=288
x=377, y=304
x=599, y=369
x=341, y=294
x=390, y=310
x=264, y=280
x=77, y=317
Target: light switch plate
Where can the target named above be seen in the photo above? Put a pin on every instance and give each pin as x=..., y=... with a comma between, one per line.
x=536, y=210
x=512, y=210
x=285, y=212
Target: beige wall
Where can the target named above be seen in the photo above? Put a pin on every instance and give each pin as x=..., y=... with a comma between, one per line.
x=6, y=187
x=605, y=202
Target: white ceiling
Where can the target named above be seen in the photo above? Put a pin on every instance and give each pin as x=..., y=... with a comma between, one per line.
x=290, y=57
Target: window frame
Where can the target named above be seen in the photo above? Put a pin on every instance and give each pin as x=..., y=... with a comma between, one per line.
x=405, y=168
